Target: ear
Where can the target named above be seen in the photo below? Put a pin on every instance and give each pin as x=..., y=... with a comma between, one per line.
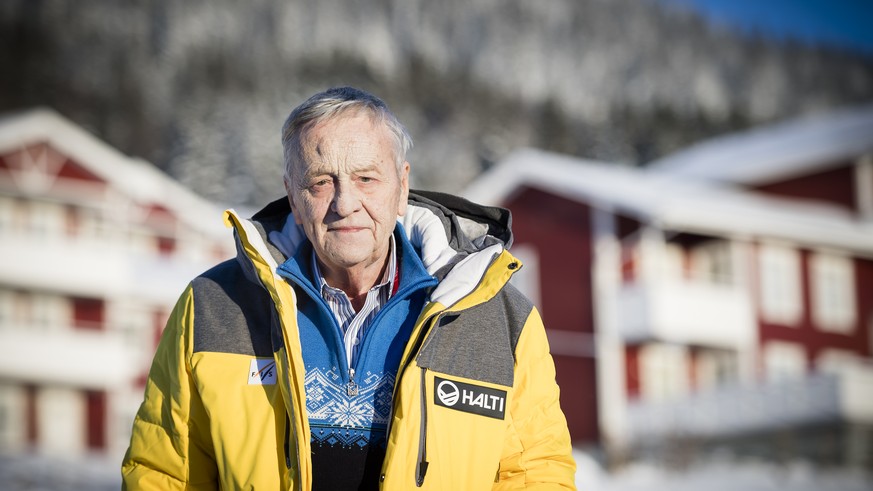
x=291, y=201
x=404, y=190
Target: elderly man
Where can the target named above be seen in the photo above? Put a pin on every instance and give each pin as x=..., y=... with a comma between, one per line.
x=366, y=337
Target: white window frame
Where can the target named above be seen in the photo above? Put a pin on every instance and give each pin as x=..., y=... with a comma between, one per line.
x=49, y=311
x=674, y=261
x=833, y=360
x=832, y=292
x=8, y=316
x=713, y=262
x=61, y=419
x=784, y=360
x=780, y=297
x=12, y=417
x=7, y=215
x=715, y=368
x=46, y=219
x=664, y=372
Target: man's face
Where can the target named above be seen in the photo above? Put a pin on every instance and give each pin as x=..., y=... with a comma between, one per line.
x=346, y=192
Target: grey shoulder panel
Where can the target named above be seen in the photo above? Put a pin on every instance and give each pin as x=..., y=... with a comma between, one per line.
x=479, y=343
x=231, y=314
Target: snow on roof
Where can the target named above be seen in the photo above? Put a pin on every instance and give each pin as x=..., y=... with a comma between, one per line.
x=134, y=177
x=673, y=203
x=777, y=151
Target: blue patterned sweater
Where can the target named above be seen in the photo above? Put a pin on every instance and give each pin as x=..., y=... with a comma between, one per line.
x=349, y=409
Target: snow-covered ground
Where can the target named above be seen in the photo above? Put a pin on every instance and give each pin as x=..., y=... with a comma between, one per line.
x=723, y=474
x=27, y=473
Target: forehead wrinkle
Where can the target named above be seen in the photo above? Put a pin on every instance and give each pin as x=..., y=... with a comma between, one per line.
x=324, y=153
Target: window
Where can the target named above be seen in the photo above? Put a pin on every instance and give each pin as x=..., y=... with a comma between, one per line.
x=674, y=261
x=837, y=360
x=784, y=361
x=165, y=245
x=61, y=416
x=46, y=219
x=7, y=215
x=715, y=368
x=89, y=223
x=88, y=313
x=713, y=262
x=779, y=282
x=95, y=410
x=31, y=310
x=7, y=307
x=664, y=372
x=47, y=311
x=832, y=288
x=527, y=279
x=12, y=414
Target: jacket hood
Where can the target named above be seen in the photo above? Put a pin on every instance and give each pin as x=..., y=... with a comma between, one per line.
x=439, y=222
x=445, y=231
x=468, y=225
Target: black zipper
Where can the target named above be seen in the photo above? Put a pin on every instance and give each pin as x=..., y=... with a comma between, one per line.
x=405, y=364
x=287, y=441
x=421, y=466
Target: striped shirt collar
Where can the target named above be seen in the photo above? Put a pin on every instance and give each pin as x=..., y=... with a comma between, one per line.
x=354, y=325
x=388, y=278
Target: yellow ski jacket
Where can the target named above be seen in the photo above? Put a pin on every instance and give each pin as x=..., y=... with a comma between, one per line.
x=475, y=404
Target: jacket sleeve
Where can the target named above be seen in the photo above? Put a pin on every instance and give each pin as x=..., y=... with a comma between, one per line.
x=170, y=447
x=539, y=451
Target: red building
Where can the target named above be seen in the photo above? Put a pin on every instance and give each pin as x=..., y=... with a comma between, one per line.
x=723, y=293
x=95, y=247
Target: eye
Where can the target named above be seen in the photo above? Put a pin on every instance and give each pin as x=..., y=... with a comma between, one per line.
x=366, y=179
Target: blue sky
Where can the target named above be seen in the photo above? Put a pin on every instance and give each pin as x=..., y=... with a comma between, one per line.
x=843, y=23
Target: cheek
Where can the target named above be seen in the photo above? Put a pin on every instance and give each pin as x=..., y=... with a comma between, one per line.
x=306, y=211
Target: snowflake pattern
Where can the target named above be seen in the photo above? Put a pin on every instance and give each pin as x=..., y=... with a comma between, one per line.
x=337, y=418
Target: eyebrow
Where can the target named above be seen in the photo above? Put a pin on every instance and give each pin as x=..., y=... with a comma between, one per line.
x=318, y=170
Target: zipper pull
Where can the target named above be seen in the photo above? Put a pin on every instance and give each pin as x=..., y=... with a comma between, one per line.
x=352, y=387
x=421, y=470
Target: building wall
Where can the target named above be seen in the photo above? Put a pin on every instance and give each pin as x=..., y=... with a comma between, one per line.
x=559, y=230
x=805, y=339
x=55, y=204
x=835, y=186
x=864, y=295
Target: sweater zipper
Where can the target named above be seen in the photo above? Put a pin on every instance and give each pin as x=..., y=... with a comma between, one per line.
x=352, y=387
x=399, y=295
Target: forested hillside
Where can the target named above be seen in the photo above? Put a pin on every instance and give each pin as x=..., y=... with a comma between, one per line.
x=200, y=88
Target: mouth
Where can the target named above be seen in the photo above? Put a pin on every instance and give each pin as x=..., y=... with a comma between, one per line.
x=346, y=230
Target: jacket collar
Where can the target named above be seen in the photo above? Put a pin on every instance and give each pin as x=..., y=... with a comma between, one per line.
x=439, y=233
x=299, y=266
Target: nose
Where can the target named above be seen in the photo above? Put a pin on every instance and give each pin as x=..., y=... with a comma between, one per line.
x=345, y=200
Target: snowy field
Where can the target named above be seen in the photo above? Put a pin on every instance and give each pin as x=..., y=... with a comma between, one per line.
x=720, y=475
x=40, y=474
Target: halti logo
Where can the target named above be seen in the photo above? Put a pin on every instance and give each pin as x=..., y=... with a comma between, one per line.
x=262, y=371
x=448, y=393
x=470, y=398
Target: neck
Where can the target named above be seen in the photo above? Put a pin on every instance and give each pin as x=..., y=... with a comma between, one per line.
x=356, y=282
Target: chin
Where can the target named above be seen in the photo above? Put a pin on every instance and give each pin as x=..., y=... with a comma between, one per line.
x=345, y=261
